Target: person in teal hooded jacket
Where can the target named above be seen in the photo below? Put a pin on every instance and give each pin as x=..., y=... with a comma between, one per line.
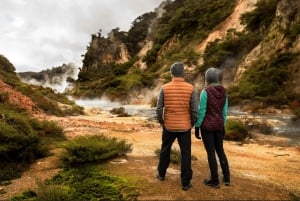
x=212, y=114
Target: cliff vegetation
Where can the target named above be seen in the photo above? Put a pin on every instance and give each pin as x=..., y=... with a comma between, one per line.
x=248, y=40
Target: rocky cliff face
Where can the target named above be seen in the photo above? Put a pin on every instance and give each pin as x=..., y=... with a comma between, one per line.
x=105, y=50
x=277, y=40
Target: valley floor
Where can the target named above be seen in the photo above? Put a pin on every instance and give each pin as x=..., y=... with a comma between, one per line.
x=265, y=168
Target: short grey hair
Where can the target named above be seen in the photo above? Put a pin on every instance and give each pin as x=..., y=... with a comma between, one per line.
x=212, y=75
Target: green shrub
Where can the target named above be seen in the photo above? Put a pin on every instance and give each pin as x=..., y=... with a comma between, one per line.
x=229, y=52
x=22, y=140
x=46, y=193
x=28, y=195
x=54, y=192
x=6, y=65
x=19, y=146
x=130, y=81
x=92, y=183
x=47, y=128
x=10, y=170
x=175, y=156
x=93, y=148
x=261, y=17
x=18, y=141
x=253, y=84
x=235, y=131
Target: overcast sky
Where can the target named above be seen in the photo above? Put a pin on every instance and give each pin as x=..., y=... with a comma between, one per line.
x=40, y=34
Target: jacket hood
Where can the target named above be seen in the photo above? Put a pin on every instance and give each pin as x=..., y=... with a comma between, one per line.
x=217, y=91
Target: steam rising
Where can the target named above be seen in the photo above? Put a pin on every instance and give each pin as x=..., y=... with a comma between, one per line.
x=56, y=78
x=142, y=110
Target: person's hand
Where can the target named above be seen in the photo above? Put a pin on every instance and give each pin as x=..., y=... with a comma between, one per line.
x=197, y=133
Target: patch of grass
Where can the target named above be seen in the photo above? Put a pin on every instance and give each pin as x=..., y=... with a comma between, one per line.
x=175, y=156
x=90, y=182
x=86, y=181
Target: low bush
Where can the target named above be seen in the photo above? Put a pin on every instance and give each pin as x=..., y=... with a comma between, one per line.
x=81, y=184
x=47, y=128
x=175, y=156
x=93, y=148
x=235, y=130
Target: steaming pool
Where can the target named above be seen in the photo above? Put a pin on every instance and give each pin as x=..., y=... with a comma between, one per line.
x=283, y=125
x=134, y=110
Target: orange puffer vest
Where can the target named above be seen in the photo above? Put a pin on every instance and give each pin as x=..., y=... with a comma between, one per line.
x=177, y=97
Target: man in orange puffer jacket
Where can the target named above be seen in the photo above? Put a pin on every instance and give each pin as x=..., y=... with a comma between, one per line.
x=177, y=108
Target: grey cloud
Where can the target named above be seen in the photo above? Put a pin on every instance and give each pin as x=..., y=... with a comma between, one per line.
x=39, y=34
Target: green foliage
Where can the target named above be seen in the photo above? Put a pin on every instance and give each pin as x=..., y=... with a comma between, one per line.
x=190, y=17
x=138, y=32
x=21, y=140
x=261, y=17
x=28, y=195
x=85, y=182
x=47, y=128
x=185, y=20
x=6, y=65
x=175, y=156
x=235, y=130
x=151, y=56
x=48, y=101
x=229, y=52
x=188, y=20
x=254, y=85
x=93, y=148
x=130, y=81
x=81, y=184
x=292, y=31
x=45, y=98
x=90, y=183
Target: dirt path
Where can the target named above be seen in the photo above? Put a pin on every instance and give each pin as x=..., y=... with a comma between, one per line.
x=263, y=169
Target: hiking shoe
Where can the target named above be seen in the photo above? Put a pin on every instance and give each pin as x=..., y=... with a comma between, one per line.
x=187, y=187
x=226, y=181
x=160, y=178
x=211, y=183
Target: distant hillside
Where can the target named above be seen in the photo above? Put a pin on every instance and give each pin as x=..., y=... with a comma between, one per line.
x=254, y=42
x=33, y=99
x=58, y=78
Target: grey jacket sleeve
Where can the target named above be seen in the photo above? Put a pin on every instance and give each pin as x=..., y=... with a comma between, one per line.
x=194, y=108
x=160, y=107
